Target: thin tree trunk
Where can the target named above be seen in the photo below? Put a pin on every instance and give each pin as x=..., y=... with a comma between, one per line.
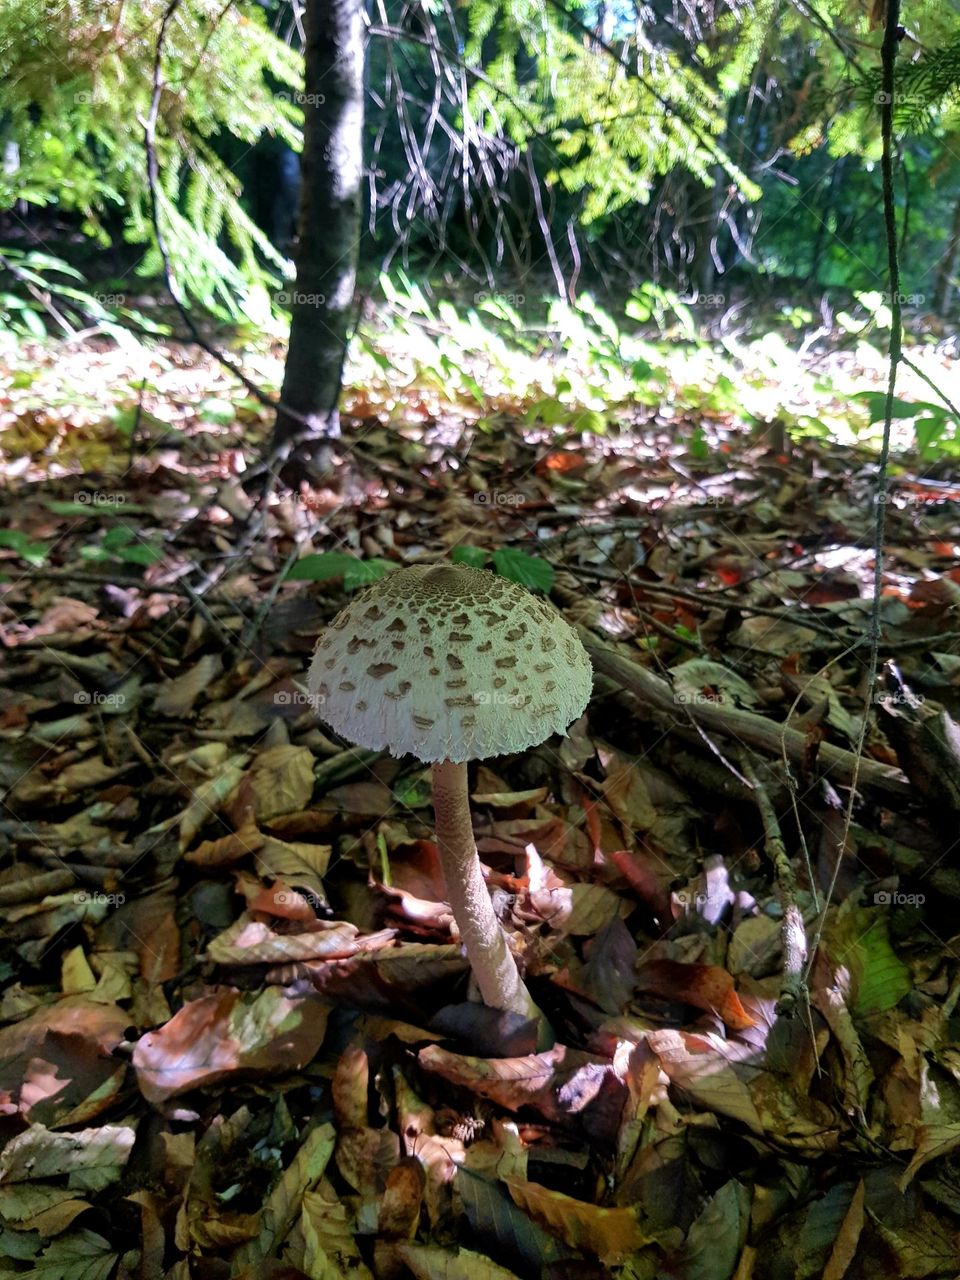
x=329, y=224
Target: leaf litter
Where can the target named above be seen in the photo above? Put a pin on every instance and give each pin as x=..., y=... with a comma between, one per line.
x=237, y=1038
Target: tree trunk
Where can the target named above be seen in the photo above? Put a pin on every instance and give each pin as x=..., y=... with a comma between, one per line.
x=329, y=227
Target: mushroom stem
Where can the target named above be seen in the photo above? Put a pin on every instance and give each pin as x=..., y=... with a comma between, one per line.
x=490, y=958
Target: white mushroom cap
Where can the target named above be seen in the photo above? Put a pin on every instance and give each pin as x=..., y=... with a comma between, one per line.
x=449, y=663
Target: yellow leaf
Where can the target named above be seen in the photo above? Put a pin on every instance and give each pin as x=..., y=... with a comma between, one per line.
x=610, y=1234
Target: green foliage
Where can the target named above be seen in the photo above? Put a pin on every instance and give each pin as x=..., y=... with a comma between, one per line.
x=76, y=81
x=125, y=544
x=32, y=552
x=530, y=571
x=610, y=122
x=326, y=565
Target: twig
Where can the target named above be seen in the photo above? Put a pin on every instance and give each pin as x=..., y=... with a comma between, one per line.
x=925, y=377
x=704, y=599
x=252, y=628
x=793, y=934
x=746, y=726
x=888, y=55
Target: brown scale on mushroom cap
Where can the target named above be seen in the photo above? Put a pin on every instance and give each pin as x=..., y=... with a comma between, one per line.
x=376, y=669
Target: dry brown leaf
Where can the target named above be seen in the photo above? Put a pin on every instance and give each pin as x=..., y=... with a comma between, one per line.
x=253, y=942
x=705, y=986
x=365, y=1157
x=228, y=849
x=351, y=1082
x=330, y=1249
x=430, y=1262
x=175, y=698
x=402, y=1198
x=564, y=1085
x=695, y=1065
x=610, y=1234
x=279, y=781
x=220, y=1035
x=848, y=1237
x=56, y=1065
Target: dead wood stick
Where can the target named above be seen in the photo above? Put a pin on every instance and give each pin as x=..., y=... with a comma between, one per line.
x=792, y=932
x=747, y=727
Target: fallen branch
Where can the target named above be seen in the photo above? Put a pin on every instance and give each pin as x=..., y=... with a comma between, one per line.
x=747, y=727
x=793, y=935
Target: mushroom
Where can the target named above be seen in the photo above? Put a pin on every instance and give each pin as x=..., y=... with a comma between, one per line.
x=453, y=664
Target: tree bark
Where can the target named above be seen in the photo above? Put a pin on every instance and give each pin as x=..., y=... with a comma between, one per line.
x=329, y=227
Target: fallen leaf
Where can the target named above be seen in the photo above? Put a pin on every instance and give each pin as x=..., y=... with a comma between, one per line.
x=610, y=1234
x=220, y=1035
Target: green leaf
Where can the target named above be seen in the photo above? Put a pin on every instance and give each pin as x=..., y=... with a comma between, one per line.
x=589, y=420
x=221, y=412
x=529, y=571
x=475, y=557
x=550, y=412
x=88, y=509
x=82, y=1255
x=140, y=553
x=321, y=567
x=698, y=444
x=861, y=944
x=360, y=573
x=33, y=552
x=876, y=402
x=928, y=431
x=338, y=564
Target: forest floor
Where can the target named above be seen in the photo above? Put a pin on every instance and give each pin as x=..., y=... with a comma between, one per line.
x=234, y=1030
